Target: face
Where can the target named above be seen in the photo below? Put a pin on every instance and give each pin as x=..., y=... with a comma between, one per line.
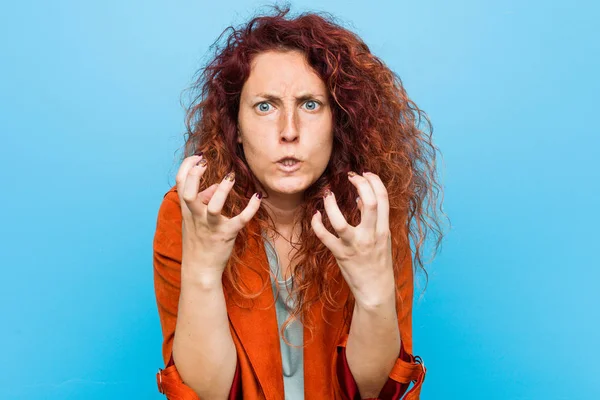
x=285, y=123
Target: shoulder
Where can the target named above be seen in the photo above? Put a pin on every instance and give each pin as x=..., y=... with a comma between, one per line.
x=168, y=222
x=171, y=196
x=169, y=206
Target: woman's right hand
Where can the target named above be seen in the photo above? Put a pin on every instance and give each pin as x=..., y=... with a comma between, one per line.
x=207, y=236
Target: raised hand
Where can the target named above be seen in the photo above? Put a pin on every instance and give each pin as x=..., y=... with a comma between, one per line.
x=207, y=236
x=363, y=252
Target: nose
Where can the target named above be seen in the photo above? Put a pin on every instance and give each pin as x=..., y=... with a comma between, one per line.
x=289, y=130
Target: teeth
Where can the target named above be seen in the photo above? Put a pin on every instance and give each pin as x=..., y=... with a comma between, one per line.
x=288, y=163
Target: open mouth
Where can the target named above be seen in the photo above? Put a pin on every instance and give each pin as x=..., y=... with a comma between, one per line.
x=289, y=164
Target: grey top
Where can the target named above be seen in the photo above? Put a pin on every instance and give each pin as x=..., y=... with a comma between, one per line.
x=292, y=359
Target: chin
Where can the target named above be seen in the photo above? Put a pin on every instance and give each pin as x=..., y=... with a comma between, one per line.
x=290, y=185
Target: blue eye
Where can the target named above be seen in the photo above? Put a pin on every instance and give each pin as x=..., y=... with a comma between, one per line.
x=313, y=106
x=263, y=107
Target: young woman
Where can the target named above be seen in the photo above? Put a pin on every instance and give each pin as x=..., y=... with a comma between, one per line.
x=282, y=259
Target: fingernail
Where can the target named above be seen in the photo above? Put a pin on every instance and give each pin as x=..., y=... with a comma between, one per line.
x=326, y=193
x=230, y=176
x=259, y=195
x=202, y=163
x=351, y=174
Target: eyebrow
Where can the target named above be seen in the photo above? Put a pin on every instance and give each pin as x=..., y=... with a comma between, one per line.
x=275, y=98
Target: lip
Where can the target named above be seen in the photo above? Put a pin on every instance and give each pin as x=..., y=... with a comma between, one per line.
x=290, y=157
x=290, y=168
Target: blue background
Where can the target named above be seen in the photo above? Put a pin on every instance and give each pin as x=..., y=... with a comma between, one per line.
x=92, y=126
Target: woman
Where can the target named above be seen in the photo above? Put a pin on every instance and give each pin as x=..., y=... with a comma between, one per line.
x=282, y=265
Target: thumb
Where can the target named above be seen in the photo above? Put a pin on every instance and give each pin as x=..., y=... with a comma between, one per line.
x=359, y=204
x=207, y=193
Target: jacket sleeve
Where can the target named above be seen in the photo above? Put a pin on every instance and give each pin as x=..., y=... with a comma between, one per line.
x=167, y=283
x=408, y=368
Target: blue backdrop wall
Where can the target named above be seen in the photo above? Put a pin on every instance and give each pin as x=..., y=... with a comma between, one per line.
x=91, y=125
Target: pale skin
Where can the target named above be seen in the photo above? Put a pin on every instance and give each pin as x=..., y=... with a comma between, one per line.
x=284, y=111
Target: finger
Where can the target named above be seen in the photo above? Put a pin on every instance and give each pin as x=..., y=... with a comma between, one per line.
x=240, y=220
x=368, y=213
x=338, y=222
x=181, y=177
x=207, y=193
x=191, y=185
x=187, y=164
x=328, y=239
x=359, y=204
x=383, y=203
x=215, y=205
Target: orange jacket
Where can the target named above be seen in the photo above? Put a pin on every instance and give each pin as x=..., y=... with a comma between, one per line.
x=255, y=331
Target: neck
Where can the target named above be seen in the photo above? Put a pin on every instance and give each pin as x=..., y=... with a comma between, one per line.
x=283, y=208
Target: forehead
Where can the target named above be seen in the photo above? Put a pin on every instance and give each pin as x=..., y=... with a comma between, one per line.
x=282, y=72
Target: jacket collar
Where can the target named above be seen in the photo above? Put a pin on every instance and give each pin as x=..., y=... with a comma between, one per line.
x=255, y=323
x=255, y=320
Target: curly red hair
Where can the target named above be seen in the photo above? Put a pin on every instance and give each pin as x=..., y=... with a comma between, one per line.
x=376, y=129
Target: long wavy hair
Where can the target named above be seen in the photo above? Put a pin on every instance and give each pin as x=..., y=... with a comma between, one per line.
x=376, y=128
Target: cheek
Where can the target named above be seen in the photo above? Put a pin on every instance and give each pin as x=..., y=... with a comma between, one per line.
x=253, y=143
x=325, y=144
x=257, y=154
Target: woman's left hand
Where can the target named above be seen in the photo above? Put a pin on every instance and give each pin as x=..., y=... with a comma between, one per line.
x=363, y=252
